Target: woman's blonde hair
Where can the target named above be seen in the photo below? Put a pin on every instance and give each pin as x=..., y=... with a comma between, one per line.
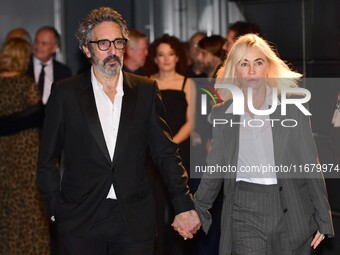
x=15, y=56
x=279, y=74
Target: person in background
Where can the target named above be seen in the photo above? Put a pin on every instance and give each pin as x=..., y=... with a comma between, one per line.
x=43, y=67
x=269, y=212
x=23, y=222
x=19, y=33
x=136, y=53
x=236, y=30
x=195, y=69
x=335, y=133
x=103, y=122
x=168, y=69
x=211, y=54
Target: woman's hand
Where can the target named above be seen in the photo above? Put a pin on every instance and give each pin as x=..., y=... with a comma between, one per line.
x=317, y=239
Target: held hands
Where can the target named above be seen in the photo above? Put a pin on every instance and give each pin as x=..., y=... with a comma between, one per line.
x=317, y=239
x=187, y=224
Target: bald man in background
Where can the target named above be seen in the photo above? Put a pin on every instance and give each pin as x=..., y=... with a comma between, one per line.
x=44, y=48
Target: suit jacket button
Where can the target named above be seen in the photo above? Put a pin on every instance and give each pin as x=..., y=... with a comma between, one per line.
x=280, y=188
x=285, y=210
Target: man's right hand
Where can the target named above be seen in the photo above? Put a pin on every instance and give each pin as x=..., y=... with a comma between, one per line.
x=187, y=224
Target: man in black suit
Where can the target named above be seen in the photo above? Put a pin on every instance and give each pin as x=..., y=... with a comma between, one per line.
x=103, y=121
x=43, y=67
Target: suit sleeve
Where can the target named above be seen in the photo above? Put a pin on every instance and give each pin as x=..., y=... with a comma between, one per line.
x=210, y=186
x=165, y=155
x=50, y=151
x=315, y=180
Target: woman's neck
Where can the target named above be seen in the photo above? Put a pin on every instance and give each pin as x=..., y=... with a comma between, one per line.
x=166, y=76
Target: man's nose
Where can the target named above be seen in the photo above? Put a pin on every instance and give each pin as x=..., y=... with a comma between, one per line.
x=112, y=50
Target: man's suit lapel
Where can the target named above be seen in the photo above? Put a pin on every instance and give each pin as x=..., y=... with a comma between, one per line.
x=30, y=69
x=128, y=108
x=55, y=72
x=88, y=104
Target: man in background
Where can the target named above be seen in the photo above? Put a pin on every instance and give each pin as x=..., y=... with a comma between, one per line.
x=211, y=54
x=135, y=53
x=236, y=30
x=195, y=70
x=43, y=67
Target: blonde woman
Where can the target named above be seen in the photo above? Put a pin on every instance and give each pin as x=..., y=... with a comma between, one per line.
x=264, y=212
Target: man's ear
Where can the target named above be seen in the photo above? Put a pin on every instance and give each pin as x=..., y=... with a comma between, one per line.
x=86, y=51
x=55, y=48
x=127, y=51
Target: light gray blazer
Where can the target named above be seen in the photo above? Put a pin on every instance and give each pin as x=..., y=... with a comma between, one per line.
x=304, y=198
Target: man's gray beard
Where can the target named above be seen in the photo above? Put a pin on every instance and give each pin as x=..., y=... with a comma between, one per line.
x=101, y=68
x=109, y=72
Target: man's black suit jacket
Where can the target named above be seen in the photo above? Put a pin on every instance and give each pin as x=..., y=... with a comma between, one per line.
x=60, y=71
x=72, y=126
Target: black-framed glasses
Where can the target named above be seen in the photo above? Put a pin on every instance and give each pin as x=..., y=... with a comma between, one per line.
x=105, y=44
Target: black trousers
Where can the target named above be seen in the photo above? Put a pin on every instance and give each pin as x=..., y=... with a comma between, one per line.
x=108, y=236
x=258, y=222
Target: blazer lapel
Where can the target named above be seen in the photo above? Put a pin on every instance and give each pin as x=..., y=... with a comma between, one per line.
x=88, y=104
x=231, y=136
x=278, y=133
x=128, y=108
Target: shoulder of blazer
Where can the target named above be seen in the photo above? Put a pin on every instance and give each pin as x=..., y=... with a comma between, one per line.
x=82, y=82
x=219, y=109
x=292, y=110
x=133, y=80
x=61, y=71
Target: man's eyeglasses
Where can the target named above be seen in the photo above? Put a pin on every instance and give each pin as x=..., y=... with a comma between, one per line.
x=105, y=44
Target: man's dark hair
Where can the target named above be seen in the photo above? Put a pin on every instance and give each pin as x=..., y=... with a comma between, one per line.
x=213, y=44
x=242, y=28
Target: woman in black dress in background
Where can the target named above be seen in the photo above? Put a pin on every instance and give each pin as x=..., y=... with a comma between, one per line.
x=167, y=65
